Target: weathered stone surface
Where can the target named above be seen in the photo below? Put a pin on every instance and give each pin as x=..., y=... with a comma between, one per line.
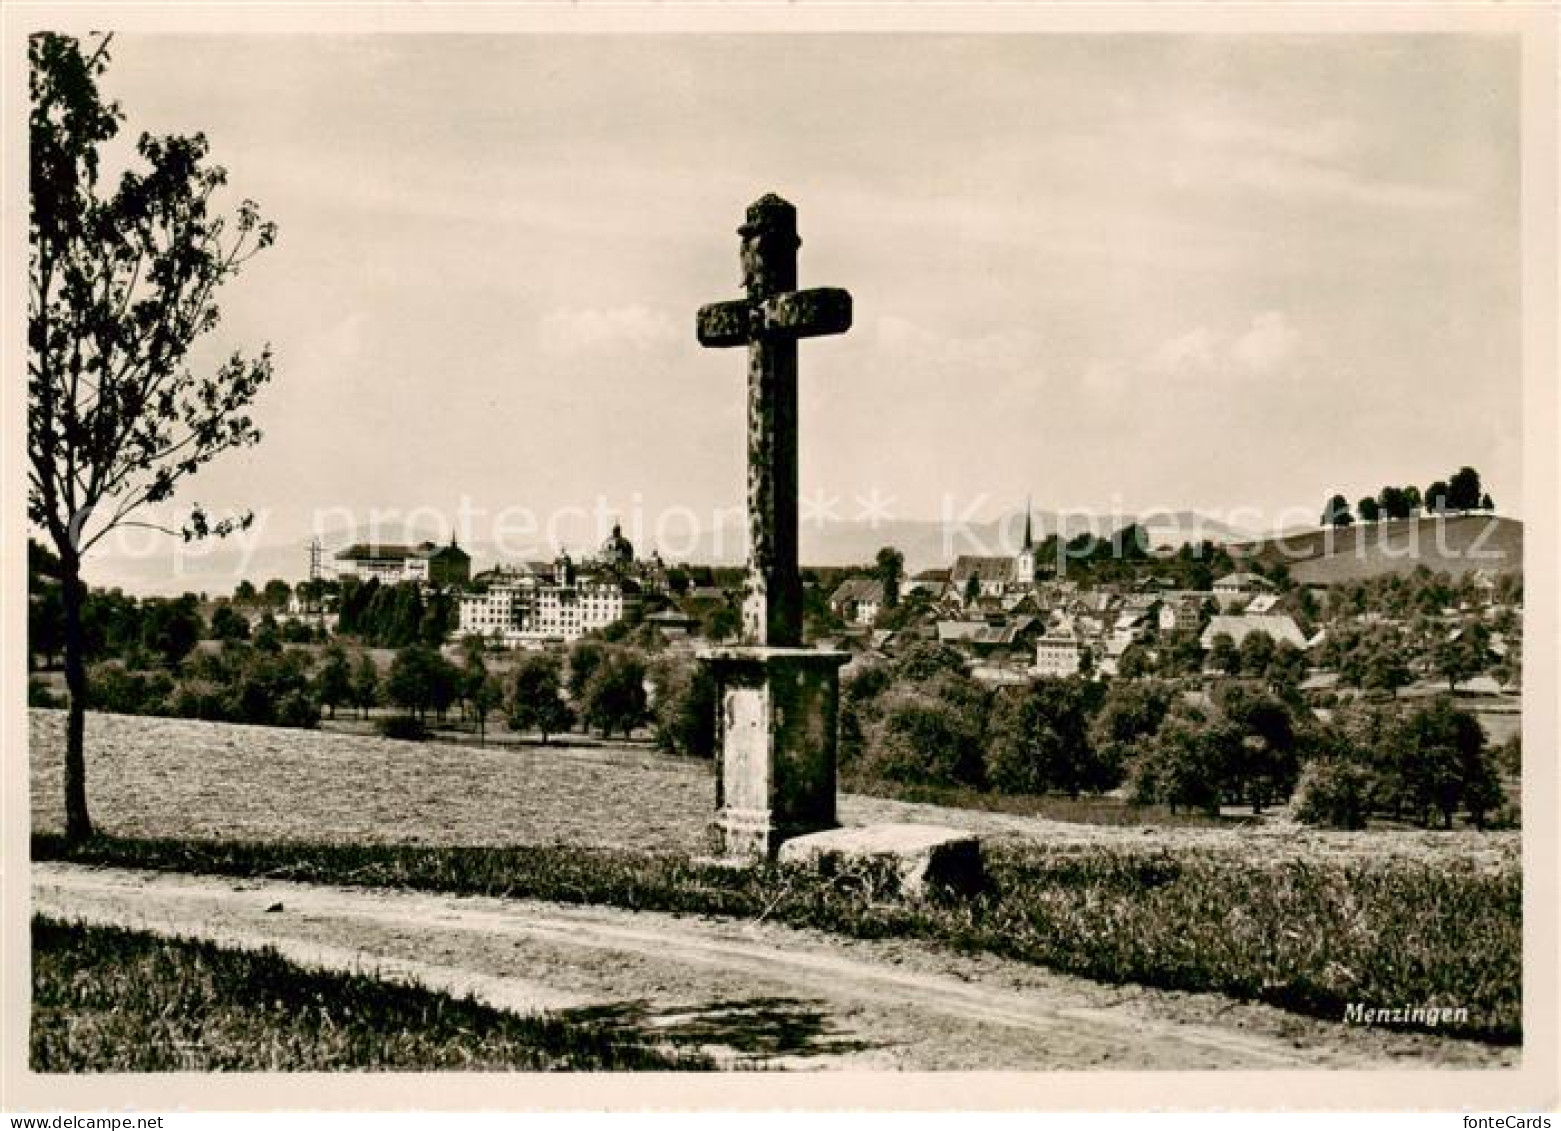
x=813, y=313
x=923, y=859
x=776, y=725
x=769, y=320
x=778, y=703
x=722, y=324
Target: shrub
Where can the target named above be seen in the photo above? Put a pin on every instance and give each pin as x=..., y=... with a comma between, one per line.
x=1187, y=762
x=39, y=695
x=1334, y=793
x=407, y=727
x=929, y=733
x=1039, y=740
x=113, y=687
x=927, y=660
x=295, y=709
x=684, y=711
x=860, y=691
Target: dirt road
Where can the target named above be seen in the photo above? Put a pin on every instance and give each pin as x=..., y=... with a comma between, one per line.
x=752, y=994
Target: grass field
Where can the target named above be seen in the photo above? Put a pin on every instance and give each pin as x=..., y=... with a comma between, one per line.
x=1456, y=544
x=153, y=777
x=111, y=1000
x=1305, y=919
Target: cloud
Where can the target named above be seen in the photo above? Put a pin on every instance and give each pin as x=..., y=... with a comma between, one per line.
x=1196, y=351
x=1266, y=346
x=566, y=332
x=1317, y=160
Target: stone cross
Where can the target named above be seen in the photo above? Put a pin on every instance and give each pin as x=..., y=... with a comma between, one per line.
x=769, y=321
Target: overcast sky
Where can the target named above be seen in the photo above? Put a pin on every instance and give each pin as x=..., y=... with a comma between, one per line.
x=1151, y=271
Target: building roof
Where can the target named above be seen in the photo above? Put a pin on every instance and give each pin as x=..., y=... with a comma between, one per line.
x=986, y=569
x=1278, y=626
x=933, y=575
x=863, y=590
x=1320, y=681
x=671, y=618
x=1061, y=633
x=398, y=552
x=984, y=633
x=381, y=552
x=1243, y=581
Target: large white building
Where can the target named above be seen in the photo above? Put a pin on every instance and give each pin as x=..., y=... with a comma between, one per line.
x=542, y=603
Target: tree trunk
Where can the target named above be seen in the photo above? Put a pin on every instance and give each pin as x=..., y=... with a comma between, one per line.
x=78, y=824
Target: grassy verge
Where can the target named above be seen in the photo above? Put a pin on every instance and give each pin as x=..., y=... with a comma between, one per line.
x=1308, y=937
x=112, y=1000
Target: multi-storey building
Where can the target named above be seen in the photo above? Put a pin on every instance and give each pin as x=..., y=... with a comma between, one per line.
x=556, y=602
x=392, y=563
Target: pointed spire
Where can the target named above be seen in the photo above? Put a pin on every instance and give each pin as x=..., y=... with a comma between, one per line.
x=1029, y=540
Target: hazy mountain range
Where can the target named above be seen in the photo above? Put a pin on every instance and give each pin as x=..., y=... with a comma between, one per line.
x=926, y=543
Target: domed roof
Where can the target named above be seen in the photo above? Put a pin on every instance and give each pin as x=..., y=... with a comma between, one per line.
x=617, y=547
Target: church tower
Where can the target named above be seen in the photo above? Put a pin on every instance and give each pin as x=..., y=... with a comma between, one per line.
x=1024, y=562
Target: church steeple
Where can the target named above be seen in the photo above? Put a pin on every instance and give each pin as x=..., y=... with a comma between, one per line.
x=1029, y=540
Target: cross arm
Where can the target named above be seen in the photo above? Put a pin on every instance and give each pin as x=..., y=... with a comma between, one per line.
x=807, y=314
x=725, y=324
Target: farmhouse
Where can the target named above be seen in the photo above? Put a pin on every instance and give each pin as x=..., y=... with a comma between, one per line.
x=858, y=600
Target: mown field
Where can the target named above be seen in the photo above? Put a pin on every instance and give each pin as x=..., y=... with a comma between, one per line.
x=155, y=777
x=1304, y=919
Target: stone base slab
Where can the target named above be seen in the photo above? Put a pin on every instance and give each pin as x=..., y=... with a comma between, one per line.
x=921, y=859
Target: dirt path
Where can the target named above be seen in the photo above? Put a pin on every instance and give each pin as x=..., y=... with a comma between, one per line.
x=750, y=993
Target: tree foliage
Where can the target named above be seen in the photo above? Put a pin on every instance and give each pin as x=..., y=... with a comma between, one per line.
x=121, y=287
x=535, y=696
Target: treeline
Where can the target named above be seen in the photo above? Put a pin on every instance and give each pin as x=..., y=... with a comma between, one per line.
x=239, y=683
x=1461, y=491
x=600, y=685
x=394, y=616
x=922, y=720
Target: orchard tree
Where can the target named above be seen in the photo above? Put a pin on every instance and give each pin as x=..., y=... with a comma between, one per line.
x=535, y=700
x=1463, y=654
x=333, y=684
x=121, y=287
x=1337, y=512
x=1368, y=510
x=1436, y=501
x=365, y=684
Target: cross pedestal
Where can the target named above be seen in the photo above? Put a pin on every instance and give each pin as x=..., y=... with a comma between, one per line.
x=777, y=718
x=778, y=702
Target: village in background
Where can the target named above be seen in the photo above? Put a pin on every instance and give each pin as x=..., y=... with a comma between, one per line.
x=1411, y=601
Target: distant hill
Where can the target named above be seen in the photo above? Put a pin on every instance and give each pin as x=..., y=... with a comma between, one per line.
x=931, y=544
x=1455, y=544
